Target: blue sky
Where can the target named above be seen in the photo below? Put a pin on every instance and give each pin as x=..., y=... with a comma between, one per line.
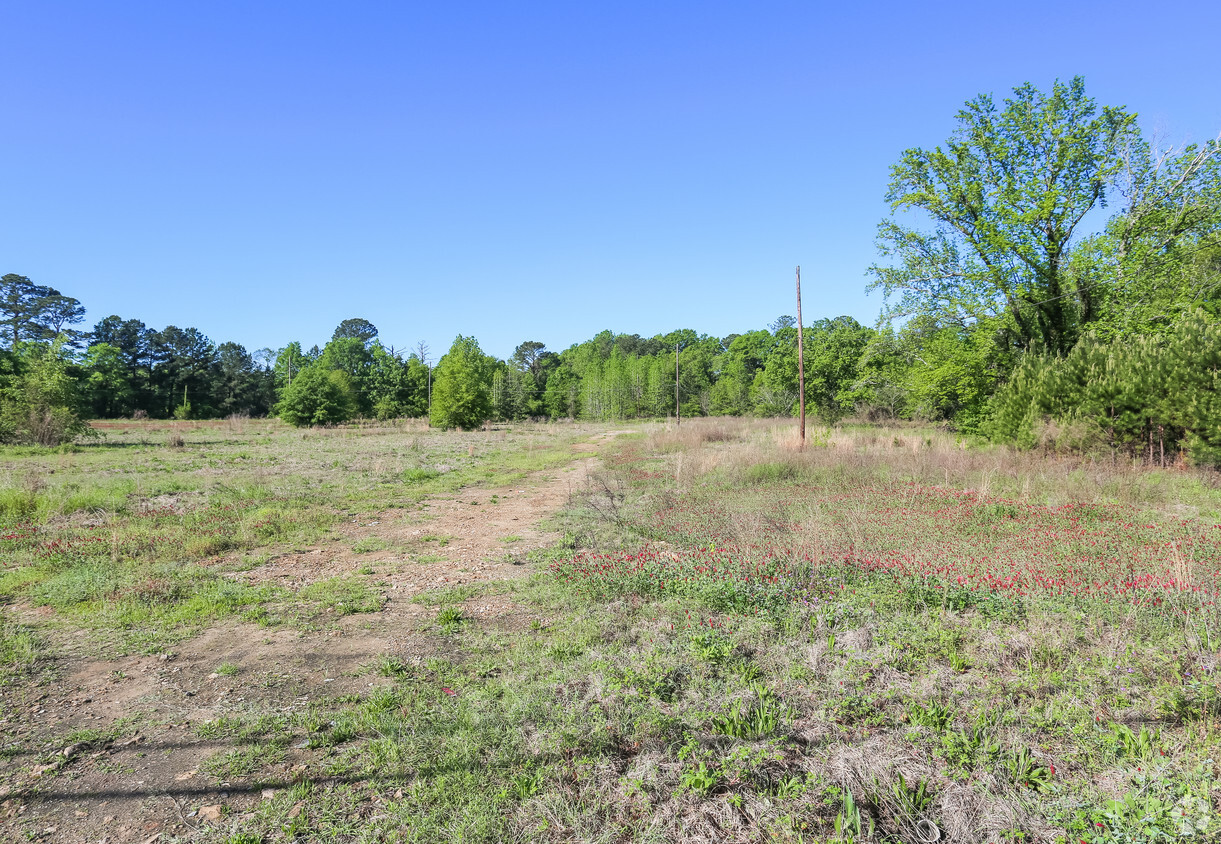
x=539, y=170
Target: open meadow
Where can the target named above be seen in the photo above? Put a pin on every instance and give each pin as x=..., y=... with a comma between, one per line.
x=241, y=632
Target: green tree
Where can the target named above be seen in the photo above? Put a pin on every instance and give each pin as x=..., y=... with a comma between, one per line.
x=39, y=401
x=318, y=396
x=240, y=385
x=134, y=342
x=951, y=371
x=880, y=391
x=107, y=386
x=832, y=359
x=1006, y=197
x=355, y=328
x=563, y=396
x=32, y=312
x=1148, y=396
x=1159, y=258
x=353, y=357
x=528, y=356
x=290, y=360
x=461, y=386
x=397, y=387
x=737, y=367
x=184, y=370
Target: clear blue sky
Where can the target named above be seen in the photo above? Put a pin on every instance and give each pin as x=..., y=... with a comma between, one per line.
x=514, y=171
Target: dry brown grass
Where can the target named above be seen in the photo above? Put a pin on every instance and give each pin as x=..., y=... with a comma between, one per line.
x=925, y=455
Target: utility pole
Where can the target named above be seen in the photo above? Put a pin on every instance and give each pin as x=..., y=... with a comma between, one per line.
x=421, y=351
x=677, y=417
x=801, y=367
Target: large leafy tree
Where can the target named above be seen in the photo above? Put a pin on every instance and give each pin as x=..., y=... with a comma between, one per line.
x=738, y=365
x=290, y=360
x=1006, y=196
x=32, y=312
x=357, y=328
x=461, y=386
x=1159, y=259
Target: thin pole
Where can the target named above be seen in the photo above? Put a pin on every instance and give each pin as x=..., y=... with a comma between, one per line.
x=801, y=367
x=677, y=417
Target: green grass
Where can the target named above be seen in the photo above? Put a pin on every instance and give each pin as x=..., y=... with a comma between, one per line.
x=370, y=544
x=20, y=647
x=345, y=595
x=138, y=543
x=729, y=651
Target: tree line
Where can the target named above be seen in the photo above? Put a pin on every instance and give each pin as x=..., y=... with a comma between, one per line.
x=1005, y=315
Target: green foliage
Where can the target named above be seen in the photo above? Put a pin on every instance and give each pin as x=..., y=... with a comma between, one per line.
x=758, y=717
x=712, y=646
x=30, y=312
x=952, y=371
x=19, y=648
x=345, y=595
x=39, y=401
x=1163, y=805
x=1148, y=396
x=850, y=824
x=355, y=329
x=450, y=618
x=396, y=387
x=461, y=387
x=701, y=779
x=1132, y=744
x=318, y=396
x=934, y=715
x=1025, y=771
x=1005, y=196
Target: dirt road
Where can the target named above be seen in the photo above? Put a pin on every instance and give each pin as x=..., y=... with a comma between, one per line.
x=111, y=752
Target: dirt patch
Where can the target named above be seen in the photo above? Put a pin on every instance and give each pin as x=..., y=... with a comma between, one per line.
x=112, y=750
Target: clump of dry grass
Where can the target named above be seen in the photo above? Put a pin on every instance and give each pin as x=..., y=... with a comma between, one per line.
x=924, y=455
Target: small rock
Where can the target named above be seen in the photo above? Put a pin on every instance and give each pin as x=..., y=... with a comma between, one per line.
x=210, y=813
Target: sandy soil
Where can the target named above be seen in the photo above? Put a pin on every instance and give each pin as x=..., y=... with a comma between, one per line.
x=146, y=786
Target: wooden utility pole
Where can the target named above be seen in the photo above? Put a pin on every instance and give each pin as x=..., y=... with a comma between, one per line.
x=677, y=417
x=801, y=367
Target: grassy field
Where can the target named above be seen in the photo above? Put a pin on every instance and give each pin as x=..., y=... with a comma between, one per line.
x=892, y=635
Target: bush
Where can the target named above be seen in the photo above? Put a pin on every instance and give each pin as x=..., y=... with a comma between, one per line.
x=38, y=405
x=318, y=396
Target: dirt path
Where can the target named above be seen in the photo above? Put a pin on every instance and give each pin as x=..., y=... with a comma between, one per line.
x=147, y=786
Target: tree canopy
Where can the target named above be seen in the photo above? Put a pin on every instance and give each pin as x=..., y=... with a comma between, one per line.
x=1006, y=196
x=357, y=328
x=32, y=312
x=460, y=390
